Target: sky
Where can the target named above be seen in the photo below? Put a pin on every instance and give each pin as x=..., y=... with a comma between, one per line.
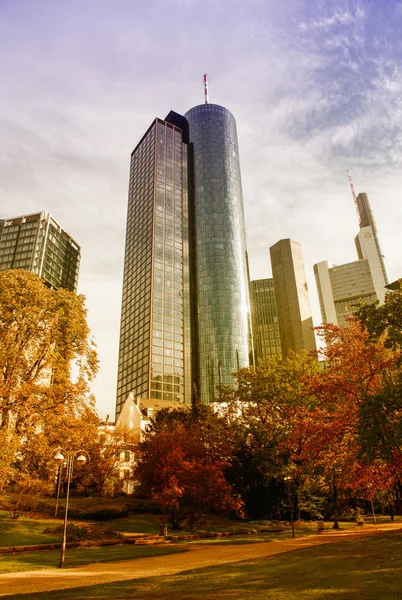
x=315, y=87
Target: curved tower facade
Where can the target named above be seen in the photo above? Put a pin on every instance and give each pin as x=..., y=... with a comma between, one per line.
x=220, y=262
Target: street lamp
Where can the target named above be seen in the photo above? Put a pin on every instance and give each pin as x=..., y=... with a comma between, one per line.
x=60, y=456
x=288, y=479
x=370, y=485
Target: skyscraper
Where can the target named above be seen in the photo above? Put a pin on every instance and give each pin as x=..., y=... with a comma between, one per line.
x=37, y=243
x=266, y=336
x=185, y=307
x=155, y=324
x=342, y=287
x=220, y=284
x=292, y=300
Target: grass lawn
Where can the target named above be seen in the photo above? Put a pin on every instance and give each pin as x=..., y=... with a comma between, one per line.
x=48, y=559
x=369, y=569
x=26, y=530
x=151, y=523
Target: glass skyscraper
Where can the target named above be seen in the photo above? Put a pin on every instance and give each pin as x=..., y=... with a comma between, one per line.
x=221, y=285
x=267, y=342
x=39, y=244
x=155, y=325
x=185, y=307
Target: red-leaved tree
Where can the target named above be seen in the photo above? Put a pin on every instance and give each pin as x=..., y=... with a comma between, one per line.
x=181, y=467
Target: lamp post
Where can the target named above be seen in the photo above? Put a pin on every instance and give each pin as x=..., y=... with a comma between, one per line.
x=370, y=485
x=60, y=456
x=288, y=480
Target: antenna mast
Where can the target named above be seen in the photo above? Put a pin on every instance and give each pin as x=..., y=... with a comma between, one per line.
x=352, y=187
x=206, y=89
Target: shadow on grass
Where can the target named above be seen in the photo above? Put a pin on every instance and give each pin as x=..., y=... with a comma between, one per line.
x=49, y=559
x=368, y=568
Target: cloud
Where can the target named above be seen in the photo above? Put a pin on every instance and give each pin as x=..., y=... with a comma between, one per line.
x=315, y=88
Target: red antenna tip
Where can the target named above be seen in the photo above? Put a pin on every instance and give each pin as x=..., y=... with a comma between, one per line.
x=206, y=89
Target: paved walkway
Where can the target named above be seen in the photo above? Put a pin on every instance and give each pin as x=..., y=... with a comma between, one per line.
x=197, y=557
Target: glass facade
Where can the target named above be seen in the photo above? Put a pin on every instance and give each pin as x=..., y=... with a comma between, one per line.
x=39, y=244
x=155, y=347
x=266, y=336
x=221, y=283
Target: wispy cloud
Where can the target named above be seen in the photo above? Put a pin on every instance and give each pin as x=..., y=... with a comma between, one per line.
x=315, y=88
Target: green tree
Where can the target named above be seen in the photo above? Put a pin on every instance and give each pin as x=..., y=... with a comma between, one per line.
x=261, y=407
x=385, y=319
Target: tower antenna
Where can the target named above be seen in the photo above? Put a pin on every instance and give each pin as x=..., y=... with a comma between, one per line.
x=206, y=89
x=352, y=187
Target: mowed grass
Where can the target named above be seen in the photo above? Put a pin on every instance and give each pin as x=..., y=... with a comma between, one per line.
x=364, y=568
x=49, y=559
x=26, y=531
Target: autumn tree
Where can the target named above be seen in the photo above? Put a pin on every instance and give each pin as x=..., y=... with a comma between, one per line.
x=44, y=336
x=182, y=460
x=327, y=435
x=108, y=451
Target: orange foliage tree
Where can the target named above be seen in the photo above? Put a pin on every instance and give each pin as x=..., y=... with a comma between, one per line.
x=325, y=439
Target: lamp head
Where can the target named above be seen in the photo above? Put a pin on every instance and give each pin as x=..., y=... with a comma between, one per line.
x=81, y=460
x=58, y=458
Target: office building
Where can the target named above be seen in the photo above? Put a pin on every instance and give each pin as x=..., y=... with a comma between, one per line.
x=39, y=244
x=342, y=287
x=222, y=324
x=266, y=337
x=185, y=308
x=155, y=325
x=292, y=299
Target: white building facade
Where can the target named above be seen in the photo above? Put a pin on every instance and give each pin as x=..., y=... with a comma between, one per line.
x=342, y=287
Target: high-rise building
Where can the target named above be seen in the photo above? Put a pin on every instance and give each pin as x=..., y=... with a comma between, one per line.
x=342, y=287
x=292, y=299
x=185, y=308
x=220, y=289
x=39, y=244
x=155, y=324
x=266, y=336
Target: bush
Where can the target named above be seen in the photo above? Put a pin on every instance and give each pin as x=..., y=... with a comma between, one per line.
x=100, y=514
x=77, y=532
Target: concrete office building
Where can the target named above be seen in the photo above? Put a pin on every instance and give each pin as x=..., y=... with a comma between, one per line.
x=342, y=287
x=292, y=299
x=185, y=306
x=37, y=243
x=266, y=336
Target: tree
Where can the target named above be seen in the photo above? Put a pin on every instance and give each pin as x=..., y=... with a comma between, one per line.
x=327, y=436
x=385, y=319
x=44, y=335
x=261, y=407
x=182, y=460
x=107, y=456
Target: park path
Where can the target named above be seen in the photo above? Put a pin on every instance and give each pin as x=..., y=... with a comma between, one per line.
x=197, y=557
